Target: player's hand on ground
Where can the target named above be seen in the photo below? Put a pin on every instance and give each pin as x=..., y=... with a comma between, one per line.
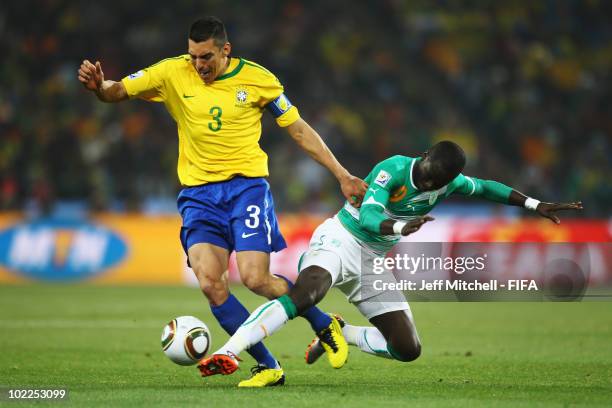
x=353, y=189
x=90, y=75
x=548, y=210
x=414, y=225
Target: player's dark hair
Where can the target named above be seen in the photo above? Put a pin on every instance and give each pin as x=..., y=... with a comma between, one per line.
x=206, y=28
x=447, y=159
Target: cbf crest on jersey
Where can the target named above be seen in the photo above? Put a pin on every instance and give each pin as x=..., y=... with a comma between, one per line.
x=382, y=179
x=242, y=95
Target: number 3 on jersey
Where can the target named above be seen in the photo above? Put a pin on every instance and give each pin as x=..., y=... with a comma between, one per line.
x=216, y=113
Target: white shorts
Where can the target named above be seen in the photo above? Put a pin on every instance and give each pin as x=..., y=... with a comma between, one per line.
x=350, y=264
x=380, y=304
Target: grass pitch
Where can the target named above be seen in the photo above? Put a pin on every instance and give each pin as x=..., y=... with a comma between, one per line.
x=103, y=344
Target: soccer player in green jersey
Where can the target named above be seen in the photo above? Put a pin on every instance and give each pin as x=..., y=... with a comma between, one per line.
x=402, y=190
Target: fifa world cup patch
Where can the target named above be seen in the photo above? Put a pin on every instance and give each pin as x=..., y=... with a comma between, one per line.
x=136, y=75
x=382, y=179
x=279, y=106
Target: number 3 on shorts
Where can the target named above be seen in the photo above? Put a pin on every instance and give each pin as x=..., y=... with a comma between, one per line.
x=253, y=220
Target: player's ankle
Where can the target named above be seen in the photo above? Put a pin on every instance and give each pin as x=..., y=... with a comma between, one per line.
x=352, y=334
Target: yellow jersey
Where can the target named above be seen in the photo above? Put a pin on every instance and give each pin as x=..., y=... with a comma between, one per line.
x=219, y=124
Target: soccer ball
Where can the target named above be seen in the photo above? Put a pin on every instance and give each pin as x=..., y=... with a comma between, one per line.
x=185, y=340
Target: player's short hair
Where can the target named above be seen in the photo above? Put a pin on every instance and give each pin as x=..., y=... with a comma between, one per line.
x=206, y=28
x=447, y=158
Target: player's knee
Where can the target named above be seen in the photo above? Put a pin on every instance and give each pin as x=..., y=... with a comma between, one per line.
x=215, y=290
x=406, y=350
x=257, y=283
x=410, y=353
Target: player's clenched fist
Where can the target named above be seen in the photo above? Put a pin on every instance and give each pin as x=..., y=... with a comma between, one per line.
x=413, y=226
x=90, y=75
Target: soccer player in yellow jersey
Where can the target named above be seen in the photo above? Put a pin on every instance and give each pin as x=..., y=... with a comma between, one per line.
x=217, y=101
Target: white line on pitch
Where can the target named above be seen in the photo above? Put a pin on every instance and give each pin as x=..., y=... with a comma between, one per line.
x=18, y=323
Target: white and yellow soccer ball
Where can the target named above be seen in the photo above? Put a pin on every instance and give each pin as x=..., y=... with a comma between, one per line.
x=185, y=340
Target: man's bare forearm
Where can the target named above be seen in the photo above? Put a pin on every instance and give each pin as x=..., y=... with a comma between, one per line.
x=111, y=91
x=309, y=140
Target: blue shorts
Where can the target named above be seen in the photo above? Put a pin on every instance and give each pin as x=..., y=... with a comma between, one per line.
x=237, y=214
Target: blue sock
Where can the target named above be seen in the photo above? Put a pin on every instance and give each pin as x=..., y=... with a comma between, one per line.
x=316, y=317
x=230, y=315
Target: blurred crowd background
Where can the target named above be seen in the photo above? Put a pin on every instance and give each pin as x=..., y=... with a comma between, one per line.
x=524, y=87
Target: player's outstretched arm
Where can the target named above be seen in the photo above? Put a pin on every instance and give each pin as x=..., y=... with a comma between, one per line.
x=92, y=78
x=353, y=188
x=501, y=193
x=547, y=210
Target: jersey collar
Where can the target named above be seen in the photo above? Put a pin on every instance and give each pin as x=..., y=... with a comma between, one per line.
x=411, y=168
x=231, y=71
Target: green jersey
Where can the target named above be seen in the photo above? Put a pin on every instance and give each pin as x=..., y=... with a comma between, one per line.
x=392, y=194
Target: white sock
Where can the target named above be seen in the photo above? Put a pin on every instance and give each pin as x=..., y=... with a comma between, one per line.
x=264, y=321
x=369, y=339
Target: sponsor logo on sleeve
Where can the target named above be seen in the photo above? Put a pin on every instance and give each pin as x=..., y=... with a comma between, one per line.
x=382, y=179
x=136, y=75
